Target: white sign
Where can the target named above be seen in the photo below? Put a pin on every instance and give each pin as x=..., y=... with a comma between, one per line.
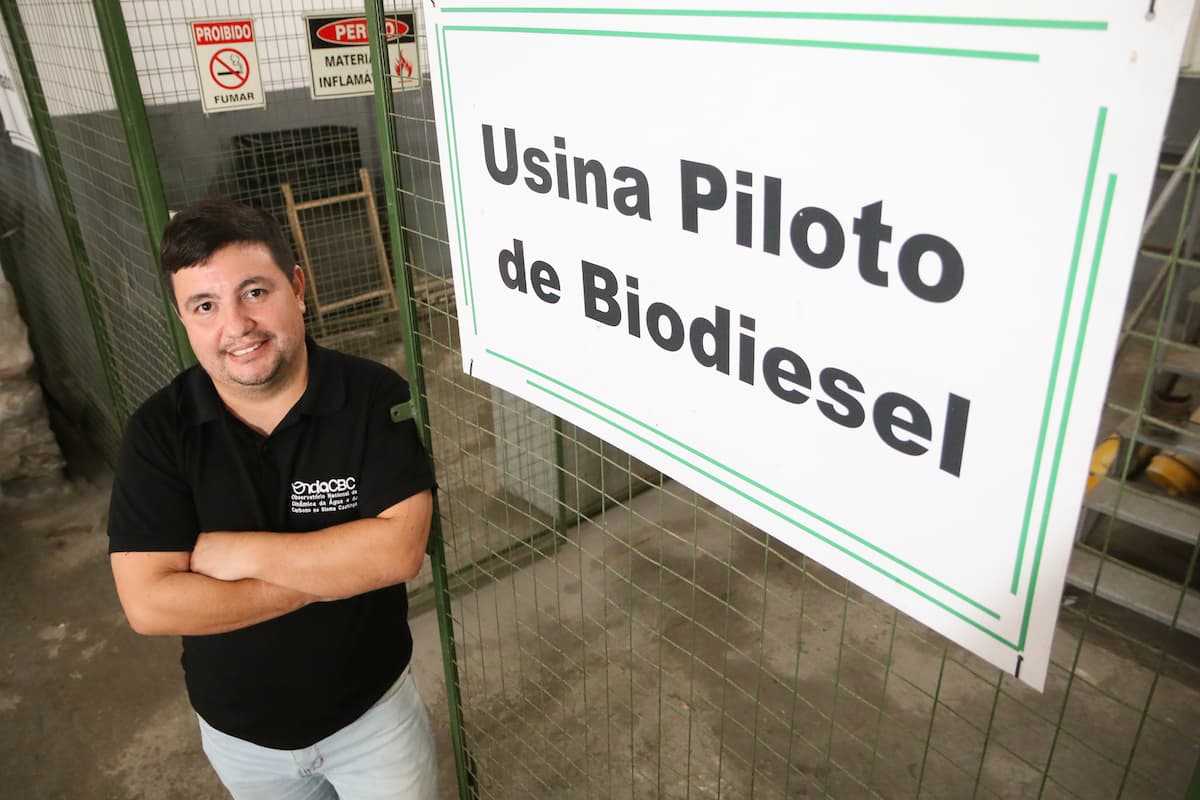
x=1191, y=51
x=856, y=276
x=227, y=63
x=13, y=109
x=339, y=54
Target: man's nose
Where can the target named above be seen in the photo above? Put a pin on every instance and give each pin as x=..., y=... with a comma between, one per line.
x=238, y=319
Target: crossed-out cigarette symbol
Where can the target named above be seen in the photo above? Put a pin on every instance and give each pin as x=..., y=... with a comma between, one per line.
x=229, y=68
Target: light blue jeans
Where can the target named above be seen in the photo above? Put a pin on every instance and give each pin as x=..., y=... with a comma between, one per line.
x=386, y=754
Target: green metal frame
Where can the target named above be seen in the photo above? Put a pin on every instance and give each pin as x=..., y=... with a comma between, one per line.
x=52, y=158
x=402, y=284
x=142, y=158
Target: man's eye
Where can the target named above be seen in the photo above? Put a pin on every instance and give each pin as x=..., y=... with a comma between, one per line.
x=255, y=294
x=204, y=308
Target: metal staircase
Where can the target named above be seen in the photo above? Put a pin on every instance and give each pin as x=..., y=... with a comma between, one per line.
x=1152, y=520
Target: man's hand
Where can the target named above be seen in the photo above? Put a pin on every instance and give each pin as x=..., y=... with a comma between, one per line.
x=220, y=555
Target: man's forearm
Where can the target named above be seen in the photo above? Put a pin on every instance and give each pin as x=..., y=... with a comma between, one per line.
x=340, y=561
x=189, y=604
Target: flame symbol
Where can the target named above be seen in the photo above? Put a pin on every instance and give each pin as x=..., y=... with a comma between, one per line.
x=403, y=68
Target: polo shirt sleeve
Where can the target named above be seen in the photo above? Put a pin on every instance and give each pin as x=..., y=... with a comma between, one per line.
x=395, y=465
x=151, y=509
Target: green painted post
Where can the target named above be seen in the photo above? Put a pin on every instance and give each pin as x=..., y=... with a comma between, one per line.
x=380, y=73
x=52, y=158
x=142, y=158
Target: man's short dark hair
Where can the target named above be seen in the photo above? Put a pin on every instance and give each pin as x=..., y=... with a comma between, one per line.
x=197, y=232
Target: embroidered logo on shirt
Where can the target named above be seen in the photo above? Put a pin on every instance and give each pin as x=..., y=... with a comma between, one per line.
x=331, y=494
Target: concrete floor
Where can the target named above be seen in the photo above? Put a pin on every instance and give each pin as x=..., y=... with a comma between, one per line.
x=661, y=649
x=664, y=649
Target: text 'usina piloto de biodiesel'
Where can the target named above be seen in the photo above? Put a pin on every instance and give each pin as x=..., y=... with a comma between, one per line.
x=924, y=264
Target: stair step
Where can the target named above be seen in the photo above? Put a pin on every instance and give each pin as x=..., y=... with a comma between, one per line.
x=1125, y=586
x=1179, y=359
x=1154, y=512
x=1187, y=442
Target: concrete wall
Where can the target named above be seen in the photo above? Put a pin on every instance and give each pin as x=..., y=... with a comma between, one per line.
x=28, y=448
x=40, y=268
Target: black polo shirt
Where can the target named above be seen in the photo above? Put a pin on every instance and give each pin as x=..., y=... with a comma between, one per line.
x=187, y=465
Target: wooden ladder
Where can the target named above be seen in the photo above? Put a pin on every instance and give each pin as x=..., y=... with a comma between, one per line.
x=366, y=196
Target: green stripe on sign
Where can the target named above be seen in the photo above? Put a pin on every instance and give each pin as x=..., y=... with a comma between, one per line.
x=996, y=55
x=821, y=16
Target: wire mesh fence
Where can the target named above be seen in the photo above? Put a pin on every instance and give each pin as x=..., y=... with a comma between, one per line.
x=614, y=634
x=45, y=269
x=648, y=644
x=313, y=164
x=117, y=266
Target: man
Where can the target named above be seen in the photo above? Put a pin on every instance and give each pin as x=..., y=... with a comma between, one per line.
x=269, y=505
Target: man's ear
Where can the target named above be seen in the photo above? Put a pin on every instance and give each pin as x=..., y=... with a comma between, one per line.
x=298, y=282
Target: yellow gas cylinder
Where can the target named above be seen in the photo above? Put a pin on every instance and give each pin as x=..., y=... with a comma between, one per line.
x=1176, y=473
x=1102, y=458
x=1107, y=452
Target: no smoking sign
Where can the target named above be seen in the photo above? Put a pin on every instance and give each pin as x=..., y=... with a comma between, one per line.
x=229, y=68
x=227, y=64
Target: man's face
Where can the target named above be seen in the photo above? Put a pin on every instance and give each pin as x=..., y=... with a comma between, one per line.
x=244, y=318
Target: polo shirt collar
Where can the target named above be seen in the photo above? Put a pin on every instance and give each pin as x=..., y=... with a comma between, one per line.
x=325, y=393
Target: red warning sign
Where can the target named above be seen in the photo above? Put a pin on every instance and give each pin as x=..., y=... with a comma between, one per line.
x=339, y=54
x=227, y=64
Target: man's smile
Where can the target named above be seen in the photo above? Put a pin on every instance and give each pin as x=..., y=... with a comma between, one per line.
x=247, y=350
